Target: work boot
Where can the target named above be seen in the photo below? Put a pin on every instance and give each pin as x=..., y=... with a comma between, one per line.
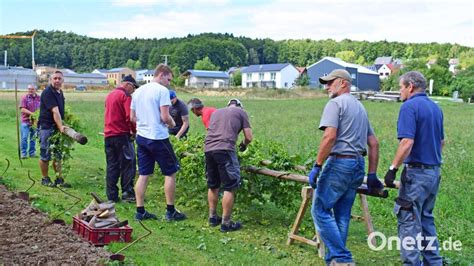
x=174, y=216
x=127, y=197
x=60, y=183
x=46, y=181
x=215, y=221
x=231, y=226
x=335, y=263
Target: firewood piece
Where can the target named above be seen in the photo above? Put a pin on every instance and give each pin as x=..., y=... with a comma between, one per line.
x=119, y=224
x=81, y=139
x=106, y=206
x=97, y=198
x=93, y=221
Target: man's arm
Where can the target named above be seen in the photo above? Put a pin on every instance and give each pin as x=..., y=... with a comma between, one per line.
x=184, y=127
x=325, y=147
x=166, y=117
x=247, y=136
x=57, y=119
x=403, y=150
x=133, y=116
x=25, y=111
x=373, y=144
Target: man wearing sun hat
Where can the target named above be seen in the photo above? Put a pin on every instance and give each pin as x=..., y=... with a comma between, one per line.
x=347, y=133
x=180, y=114
x=119, y=131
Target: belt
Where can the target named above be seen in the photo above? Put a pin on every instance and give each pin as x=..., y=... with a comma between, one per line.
x=420, y=166
x=343, y=156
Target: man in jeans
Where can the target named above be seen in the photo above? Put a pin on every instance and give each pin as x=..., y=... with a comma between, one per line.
x=421, y=134
x=50, y=120
x=29, y=104
x=150, y=109
x=119, y=132
x=222, y=166
x=347, y=132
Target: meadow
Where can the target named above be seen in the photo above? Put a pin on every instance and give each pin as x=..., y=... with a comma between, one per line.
x=292, y=123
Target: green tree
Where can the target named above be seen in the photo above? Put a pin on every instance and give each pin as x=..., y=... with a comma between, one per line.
x=464, y=83
x=137, y=65
x=205, y=64
x=466, y=59
x=130, y=64
x=302, y=80
x=237, y=78
x=347, y=56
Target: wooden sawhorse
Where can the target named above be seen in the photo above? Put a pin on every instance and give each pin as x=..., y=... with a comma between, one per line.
x=307, y=196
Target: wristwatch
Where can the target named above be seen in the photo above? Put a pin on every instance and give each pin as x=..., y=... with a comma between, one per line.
x=392, y=167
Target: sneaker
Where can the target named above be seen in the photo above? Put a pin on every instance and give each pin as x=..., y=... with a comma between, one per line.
x=46, y=181
x=215, y=221
x=128, y=197
x=231, y=227
x=60, y=183
x=174, y=216
x=145, y=216
x=33, y=156
x=23, y=157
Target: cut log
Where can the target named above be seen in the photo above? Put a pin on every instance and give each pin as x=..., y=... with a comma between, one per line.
x=296, y=167
x=277, y=174
x=97, y=198
x=81, y=139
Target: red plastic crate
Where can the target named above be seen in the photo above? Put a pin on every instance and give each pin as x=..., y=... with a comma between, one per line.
x=101, y=236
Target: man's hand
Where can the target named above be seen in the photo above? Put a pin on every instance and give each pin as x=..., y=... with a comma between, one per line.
x=390, y=177
x=373, y=183
x=313, y=175
x=242, y=147
x=62, y=129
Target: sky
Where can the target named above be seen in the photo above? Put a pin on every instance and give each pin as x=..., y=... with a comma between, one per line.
x=418, y=21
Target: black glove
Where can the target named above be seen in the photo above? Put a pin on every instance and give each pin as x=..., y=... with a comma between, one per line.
x=390, y=177
x=373, y=183
x=242, y=147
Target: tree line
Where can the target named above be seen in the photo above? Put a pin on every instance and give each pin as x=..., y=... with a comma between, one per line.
x=84, y=54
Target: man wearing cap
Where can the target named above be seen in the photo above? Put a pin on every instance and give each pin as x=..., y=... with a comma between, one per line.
x=421, y=140
x=29, y=104
x=150, y=110
x=119, y=133
x=347, y=133
x=198, y=108
x=179, y=113
x=51, y=120
x=222, y=166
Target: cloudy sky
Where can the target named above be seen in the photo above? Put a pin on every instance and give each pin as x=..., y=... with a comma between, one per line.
x=373, y=20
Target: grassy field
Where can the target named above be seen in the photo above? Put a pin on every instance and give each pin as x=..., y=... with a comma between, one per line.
x=292, y=122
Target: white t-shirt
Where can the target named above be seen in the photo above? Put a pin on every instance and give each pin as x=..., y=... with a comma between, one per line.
x=146, y=102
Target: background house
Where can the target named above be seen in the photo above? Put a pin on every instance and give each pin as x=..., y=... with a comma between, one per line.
x=453, y=63
x=140, y=74
x=206, y=79
x=148, y=76
x=44, y=72
x=362, y=77
x=115, y=75
x=386, y=70
x=270, y=76
x=87, y=79
x=23, y=77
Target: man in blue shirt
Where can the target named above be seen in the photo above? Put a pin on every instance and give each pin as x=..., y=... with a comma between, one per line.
x=421, y=135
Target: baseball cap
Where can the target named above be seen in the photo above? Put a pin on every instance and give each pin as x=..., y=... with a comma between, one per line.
x=172, y=94
x=336, y=73
x=130, y=79
x=236, y=102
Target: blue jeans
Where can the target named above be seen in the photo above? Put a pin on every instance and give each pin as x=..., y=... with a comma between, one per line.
x=418, y=191
x=27, y=132
x=332, y=204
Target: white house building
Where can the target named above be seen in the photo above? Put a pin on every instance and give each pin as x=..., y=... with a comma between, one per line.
x=206, y=79
x=87, y=79
x=385, y=70
x=270, y=76
x=140, y=74
x=148, y=76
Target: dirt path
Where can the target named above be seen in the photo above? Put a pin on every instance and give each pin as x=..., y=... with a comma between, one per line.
x=25, y=239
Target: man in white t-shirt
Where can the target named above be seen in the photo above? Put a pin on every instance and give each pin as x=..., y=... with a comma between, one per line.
x=150, y=111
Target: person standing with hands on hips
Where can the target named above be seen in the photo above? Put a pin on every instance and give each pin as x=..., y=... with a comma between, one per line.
x=347, y=133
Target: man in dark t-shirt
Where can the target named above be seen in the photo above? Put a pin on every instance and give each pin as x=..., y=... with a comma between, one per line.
x=50, y=120
x=222, y=166
x=180, y=114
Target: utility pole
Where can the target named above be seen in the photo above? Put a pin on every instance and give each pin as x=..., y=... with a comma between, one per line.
x=166, y=58
x=32, y=37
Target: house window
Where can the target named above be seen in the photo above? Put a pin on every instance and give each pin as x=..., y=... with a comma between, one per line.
x=260, y=76
x=286, y=84
x=249, y=76
x=381, y=74
x=353, y=76
x=273, y=76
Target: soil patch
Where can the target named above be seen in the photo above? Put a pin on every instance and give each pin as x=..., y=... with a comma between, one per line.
x=26, y=238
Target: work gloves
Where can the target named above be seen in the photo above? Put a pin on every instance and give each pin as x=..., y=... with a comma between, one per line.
x=390, y=177
x=373, y=183
x=242, y=146
x=313, y=175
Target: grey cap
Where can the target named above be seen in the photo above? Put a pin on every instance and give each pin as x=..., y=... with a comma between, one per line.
x=336, y=73
x=236, y=102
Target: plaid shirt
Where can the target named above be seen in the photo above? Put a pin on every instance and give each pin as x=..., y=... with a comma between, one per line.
x=31, y=103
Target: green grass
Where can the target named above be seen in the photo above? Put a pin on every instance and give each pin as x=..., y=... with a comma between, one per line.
x=292, y=122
